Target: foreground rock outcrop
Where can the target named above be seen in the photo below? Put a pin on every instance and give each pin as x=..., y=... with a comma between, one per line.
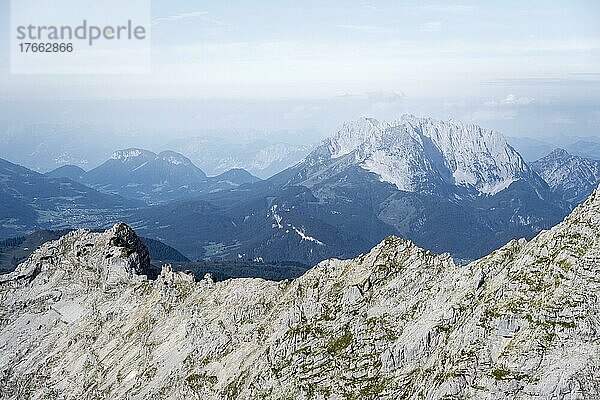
x=79, y=320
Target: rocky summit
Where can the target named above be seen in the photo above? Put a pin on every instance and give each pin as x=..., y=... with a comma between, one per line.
x=80, y=320
x=421, y=155
x=571, y=177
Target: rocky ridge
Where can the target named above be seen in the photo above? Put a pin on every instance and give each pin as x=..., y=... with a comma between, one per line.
x=158, y=178
x=79, y=319
x=426, y=155
x=570, y=176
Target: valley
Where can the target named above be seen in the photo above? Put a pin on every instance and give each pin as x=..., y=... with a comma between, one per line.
x=447, y=186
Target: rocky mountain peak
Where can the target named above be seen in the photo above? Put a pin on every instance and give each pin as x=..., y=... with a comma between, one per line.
x=395, y=322
x=571, y=177
x=426, y=155
x=558, y=153
x=112, y=257
x=122, y=237
x=144, y=175
x=351, y=135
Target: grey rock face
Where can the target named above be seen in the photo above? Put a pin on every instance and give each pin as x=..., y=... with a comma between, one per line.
x=78, y=321
x=571, y=177
x=116, y=256
x=422, y=155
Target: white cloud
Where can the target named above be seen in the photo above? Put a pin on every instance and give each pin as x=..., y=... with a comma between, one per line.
x=380, y=96
x=502, y=109
x=453, y=104
x=431, y=27
x=199, y=15
x=178, y=17
x=386, y=96
x=368, y=28
x=347, y=95
x=374, y=8
x=514, y=100
x=510, y=100
x=443, y=9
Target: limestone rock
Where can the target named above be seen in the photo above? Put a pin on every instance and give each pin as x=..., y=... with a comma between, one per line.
x=78, y=320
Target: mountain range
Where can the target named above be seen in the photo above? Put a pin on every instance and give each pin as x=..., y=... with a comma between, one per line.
x=262, y=158
x=440, y=184
x=32, y=201
x=446, y=185
x=45, y=147
x=420, y=155
x=81, y=319
x=154, y=178
x=533, y=149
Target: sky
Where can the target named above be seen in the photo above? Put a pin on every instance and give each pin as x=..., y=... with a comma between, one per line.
x=523, y=68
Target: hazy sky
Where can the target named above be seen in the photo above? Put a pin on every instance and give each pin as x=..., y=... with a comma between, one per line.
x=525, y=68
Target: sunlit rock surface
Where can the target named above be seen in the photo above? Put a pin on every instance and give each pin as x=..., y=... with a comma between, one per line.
x=79, y=320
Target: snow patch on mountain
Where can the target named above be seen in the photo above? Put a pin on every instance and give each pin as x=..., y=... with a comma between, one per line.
x=304, y=236
x=276, y=217
x=174, y=158
x=129, y=153
x=142, y=165
x=280, y=224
